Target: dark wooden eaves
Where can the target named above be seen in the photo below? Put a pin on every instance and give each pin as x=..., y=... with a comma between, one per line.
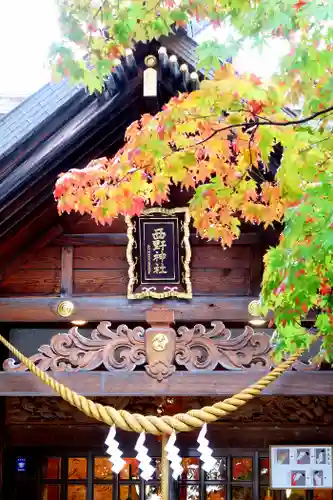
x=86, y=128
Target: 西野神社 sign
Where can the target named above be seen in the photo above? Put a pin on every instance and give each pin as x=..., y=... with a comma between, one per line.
x=158, y=254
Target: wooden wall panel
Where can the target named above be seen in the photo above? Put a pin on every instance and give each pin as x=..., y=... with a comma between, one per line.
x=100, y=258
x=47, y=258
x=101, y=281
x=86, y=225
x=103, y=270
x=39, y=276
x=214, y=257
x=220, y=282
x=204, y=281
x=32, y=282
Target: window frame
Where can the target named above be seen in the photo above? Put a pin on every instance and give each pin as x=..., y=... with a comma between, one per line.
x=38, y=456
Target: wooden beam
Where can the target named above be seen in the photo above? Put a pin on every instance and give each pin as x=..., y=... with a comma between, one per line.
x=120, y=239
x=66, y=276
x=222, y=435
x=113, y=308
x=218, y=383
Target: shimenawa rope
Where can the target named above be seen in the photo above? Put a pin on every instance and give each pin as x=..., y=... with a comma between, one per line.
x=153, y=424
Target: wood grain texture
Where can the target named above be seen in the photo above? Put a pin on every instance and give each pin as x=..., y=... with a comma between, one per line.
x=47, y=258
x=225, y=281
x=15, y=242
x=118, y=308
x=103, y=270
x=32, y=282
x=257, y=252
x=204, y=281
x=210, y=257
x=120, y=239
x=3, y=439
x=39, y=255
x=214, y=257
x=87, y=225
x=63, y=438
x=39, y=275
x=104, y=257
x=220, y=383
x=66, y=277
x=96, y=281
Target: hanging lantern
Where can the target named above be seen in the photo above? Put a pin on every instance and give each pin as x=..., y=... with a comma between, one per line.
x=150, y=77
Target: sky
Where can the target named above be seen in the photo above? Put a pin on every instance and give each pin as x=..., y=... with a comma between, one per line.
x=262, y=63
x=28, y=27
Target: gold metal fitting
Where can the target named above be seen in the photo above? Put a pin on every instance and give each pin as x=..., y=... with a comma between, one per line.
x=65, y=308
x=150, y=61
x=160, y=342
x=254, y=308
x=254, y=311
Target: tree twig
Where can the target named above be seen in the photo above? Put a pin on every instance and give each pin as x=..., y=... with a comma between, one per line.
x=261, y=123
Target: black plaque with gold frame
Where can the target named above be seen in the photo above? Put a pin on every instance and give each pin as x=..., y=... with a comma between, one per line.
x=159, y=254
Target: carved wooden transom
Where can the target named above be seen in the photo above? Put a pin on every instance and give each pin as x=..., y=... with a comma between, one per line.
x=281, y=410
x=161, y=350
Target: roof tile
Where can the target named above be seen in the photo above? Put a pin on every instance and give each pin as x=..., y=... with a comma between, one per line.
x=31, y=113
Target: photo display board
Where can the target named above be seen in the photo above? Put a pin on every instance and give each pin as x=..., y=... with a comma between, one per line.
x=308, y=467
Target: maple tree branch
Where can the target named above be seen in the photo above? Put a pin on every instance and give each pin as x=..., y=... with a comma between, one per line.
x=254, y=127
x=262, y=123
x=304, y=150
x=99, y=10
x=295, y=122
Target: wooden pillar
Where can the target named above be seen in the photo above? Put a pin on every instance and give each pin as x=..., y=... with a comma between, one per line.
x=164, y=470
x=66, y=276
x=5, y=329
x=2, y=445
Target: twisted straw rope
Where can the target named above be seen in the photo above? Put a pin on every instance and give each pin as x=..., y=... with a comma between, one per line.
x=152, y=424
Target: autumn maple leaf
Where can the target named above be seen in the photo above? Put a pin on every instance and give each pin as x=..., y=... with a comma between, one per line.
x=256, y=107
x=255, y=79
x=300, y=4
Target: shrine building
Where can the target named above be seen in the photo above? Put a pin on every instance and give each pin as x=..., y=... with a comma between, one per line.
x=141, y=316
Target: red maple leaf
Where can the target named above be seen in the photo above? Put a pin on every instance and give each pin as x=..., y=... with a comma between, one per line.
x=300, y=4
x=255, y=79
x=256, y=107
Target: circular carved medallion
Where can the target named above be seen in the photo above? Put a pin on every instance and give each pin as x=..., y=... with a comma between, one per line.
x=160, y=342
x=65, y=308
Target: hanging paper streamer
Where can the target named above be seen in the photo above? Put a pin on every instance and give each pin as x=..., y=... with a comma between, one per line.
x=208, y=462
x=114, y=452
x=174, y=457
x=147, y=470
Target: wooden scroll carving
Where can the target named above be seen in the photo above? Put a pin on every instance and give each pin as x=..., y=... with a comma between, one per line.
x=122, y=349
x=160, y=349
x=274, y=410
x=198, y=348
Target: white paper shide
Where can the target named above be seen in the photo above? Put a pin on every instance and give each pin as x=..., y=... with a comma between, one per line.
x=114, y=452
x=208, y=462
x=174, y=457
x=147, y=470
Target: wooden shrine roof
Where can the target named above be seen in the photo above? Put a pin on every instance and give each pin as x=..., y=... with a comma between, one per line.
x=62, y=127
